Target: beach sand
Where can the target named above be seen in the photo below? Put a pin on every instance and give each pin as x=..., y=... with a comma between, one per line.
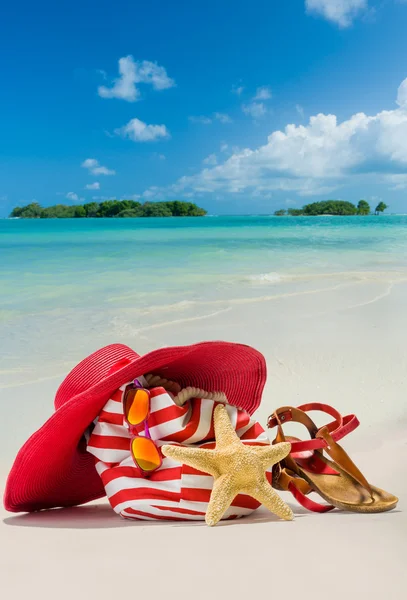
x=339, y=342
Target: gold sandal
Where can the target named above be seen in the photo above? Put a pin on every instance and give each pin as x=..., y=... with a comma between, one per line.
x=306, y=469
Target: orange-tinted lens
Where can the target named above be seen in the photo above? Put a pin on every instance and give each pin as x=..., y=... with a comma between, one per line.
x=145, y=453
x=137, y=406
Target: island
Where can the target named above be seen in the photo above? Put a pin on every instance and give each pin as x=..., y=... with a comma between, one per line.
x=109, y=208
x=332, y=207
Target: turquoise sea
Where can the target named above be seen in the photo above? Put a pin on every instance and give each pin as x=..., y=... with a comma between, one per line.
x=125, y=276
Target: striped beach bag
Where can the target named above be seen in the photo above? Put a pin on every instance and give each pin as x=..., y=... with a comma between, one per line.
x=174, y=491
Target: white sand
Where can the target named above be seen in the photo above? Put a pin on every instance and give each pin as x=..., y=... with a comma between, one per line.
x=345, y=347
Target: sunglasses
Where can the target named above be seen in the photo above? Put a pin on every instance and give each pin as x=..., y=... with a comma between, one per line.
x=136, y=409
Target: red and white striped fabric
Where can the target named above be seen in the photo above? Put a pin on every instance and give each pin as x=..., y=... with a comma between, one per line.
x=174, y=491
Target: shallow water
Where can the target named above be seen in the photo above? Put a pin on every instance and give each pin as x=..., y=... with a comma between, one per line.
x=65, y=281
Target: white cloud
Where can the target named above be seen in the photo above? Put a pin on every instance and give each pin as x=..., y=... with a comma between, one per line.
x=133, y=72
x=96, y=168
x=124, y=87
x=204, y=120
x=90, y=163
x=397, y=181
x=341, y=12
x=124, y=197
x=300, y=110
x=153, y=74
x=130, y=197
x=73, y=197
x=92, y=186
x=222, y=117
x=237, y=90
x=224, y=147
x=210, y=160
x=103, y=171
x=254, y=109
x=263, y=93
x=137, y=131
x=201, y=119
x=315, y=158
x=402, y=94
x=103, y=198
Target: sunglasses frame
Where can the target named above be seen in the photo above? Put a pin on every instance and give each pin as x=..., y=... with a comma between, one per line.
x=132, y=428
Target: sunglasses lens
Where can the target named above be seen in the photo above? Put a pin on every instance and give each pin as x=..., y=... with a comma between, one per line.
x=145, y=453
x=137, y=406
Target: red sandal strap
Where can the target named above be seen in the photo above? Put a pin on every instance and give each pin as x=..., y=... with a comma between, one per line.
x=338, y=428
x=284, y=479
x=307, y=502
x=326, y=408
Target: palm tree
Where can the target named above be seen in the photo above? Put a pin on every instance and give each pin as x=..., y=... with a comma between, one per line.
x=380, y=208
x=363, y=207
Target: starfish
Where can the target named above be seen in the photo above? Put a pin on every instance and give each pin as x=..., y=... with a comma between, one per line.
x=236, y=467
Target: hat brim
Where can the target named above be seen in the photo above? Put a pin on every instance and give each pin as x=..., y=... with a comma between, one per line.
x=53, y=468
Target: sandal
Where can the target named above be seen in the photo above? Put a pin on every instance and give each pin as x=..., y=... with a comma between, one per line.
x=306, y=469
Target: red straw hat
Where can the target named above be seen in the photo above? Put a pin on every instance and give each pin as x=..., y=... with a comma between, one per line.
x=53, y=467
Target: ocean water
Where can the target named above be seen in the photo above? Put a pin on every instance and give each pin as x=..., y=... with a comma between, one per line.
x=118, y=278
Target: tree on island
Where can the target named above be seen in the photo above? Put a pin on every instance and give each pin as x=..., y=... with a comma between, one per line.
x=80, y=212
x=157, y=209
x=330, y=207
x=109, y=209
x=363, y=207
x=293, y=212
x=381, y=207
x=31, y=211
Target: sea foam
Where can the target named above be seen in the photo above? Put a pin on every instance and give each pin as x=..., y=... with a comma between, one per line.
x=265, y=278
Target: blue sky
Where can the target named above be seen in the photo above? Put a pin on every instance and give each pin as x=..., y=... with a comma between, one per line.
x=241, y=107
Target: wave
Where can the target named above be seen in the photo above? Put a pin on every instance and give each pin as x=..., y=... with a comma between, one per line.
x=274, y=277
x=265, y=278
